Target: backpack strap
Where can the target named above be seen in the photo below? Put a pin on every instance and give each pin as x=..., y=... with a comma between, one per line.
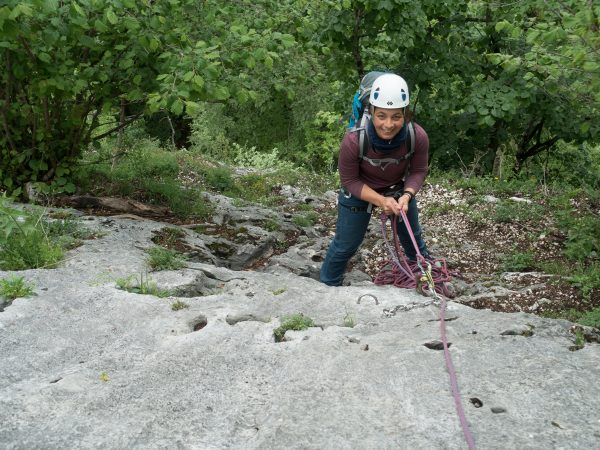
x=410, y=145
x=363, y=136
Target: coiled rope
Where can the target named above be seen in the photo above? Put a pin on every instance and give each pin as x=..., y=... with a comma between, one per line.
x=408, y=274
x=403, y=273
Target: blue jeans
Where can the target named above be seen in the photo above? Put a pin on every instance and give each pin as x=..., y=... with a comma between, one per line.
x=352, y=222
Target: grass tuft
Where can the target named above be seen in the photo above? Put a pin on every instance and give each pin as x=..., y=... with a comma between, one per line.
x=14, y=287
x=296, y=322
x=160, y=258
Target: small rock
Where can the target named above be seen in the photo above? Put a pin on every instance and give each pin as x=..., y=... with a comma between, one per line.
x=521, y=200
x=498, y=409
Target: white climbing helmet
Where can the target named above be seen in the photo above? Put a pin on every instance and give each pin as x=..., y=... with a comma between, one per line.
x=389, y=91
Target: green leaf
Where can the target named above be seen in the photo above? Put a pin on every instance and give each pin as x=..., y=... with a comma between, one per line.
x=188, y=76
x=584, y=127
x=177, y=107
x=250, y=62
x=268, y=62
x=78, y=8
x=191, y=108
x=44, y=57
x=198, y=81
x=242, y=96
x=154, y=44
x=502, y=25
x=100, y=26
x=221, y=93
x=111, y=16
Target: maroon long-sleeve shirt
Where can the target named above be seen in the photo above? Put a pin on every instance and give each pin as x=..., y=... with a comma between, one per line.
x=355, y=173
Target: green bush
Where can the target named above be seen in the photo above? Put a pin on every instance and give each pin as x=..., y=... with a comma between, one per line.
x=251, y=157
x=489, y=185
x=219, y=179
x=144, y=172
x=583, y=238
x=323, y=137
x=210, y=128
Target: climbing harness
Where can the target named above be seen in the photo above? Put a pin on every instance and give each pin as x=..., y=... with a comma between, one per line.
x=430, y=281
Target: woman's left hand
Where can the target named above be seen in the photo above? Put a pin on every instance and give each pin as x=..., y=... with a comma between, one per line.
x=403, y=202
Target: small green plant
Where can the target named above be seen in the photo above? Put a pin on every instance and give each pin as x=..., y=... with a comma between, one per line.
x=306, y=220
x=15, y=287
x=67, y=232
x=24, y=242
x=517, y=262
x=349, y=320
x=142, y=285
x=591, y=318
x=583, y=238
x=305, y=207
x=438, y=210
x=586, y=278
x=295, y=322
x=271, y=225
x=160, y=258
x=219, y=179
x=477, y=216
x=579, y=341
x=279, y=291
x=178, y=305
x=588, y=318
x=508, y=211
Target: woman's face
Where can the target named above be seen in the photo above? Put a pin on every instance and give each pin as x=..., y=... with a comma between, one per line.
x=388, y=122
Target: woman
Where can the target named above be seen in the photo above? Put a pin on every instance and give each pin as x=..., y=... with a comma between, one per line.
x=382, y=177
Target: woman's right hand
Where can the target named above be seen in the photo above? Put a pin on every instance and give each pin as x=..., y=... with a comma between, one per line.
x=391, y=206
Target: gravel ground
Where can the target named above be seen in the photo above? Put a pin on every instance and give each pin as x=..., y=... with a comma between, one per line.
x=475, y=236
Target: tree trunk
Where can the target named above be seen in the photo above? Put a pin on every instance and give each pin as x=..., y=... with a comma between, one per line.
x=527, y=148
x=356, y=36
x=494, y=147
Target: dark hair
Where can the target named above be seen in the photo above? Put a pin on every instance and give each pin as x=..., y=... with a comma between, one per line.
x=408, y=114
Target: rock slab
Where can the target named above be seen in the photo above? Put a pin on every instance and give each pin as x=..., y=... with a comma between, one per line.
x=87, y=365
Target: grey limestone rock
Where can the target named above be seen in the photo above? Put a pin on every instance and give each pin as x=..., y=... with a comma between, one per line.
x=86, y=365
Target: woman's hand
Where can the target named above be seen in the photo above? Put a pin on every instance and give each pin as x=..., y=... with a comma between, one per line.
x=391, y=206
x=403, y=201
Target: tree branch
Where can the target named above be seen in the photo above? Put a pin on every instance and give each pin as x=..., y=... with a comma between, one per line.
x=120, y=126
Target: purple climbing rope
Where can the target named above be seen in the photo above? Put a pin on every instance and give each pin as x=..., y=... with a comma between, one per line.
x=403, y=273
